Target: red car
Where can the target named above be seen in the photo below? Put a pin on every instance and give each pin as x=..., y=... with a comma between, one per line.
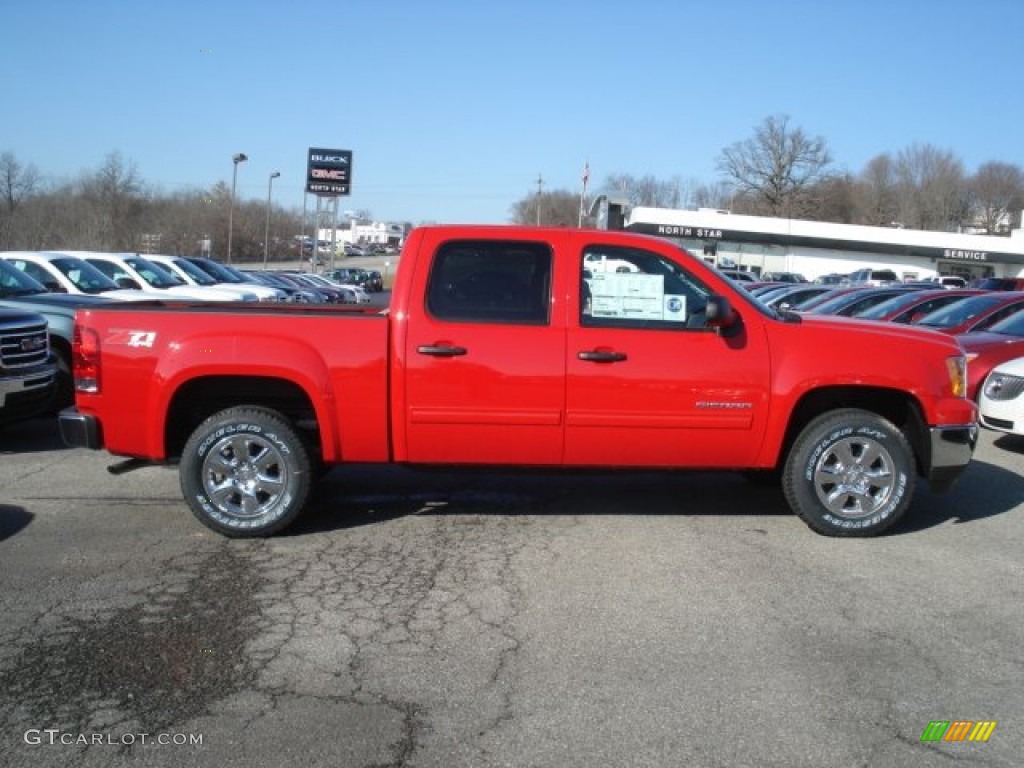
x=987, y=349
x=975, y=313
x=911, y=307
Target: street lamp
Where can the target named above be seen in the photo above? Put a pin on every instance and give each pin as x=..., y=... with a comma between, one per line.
x=266, y=233
x=239, y=158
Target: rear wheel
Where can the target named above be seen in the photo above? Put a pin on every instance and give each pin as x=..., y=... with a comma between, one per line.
x=850, y=473
x=245, y=472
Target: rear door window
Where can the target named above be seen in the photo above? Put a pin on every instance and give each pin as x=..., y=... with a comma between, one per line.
x=491, y=282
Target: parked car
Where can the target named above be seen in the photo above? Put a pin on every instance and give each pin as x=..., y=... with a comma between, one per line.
x=974, y=313
x=912, y=306
x=739, y=275
x=335, y=294
x=793, y=295
x=227, y=274
x=18, y=291
x=27, y=373
x=986, y=349
x=951, y=281
x=832, y=279
x=473, y=366
x=60, y=273
x=193, y=275
x=361, y=296
x=132, y=271
x=849, y=303
x=313, y=296
x=368, y=279
x=872, y=277
x=761, y=288
x=1001, y=399
x=999, y=283
x=785, y=277
x=373, y=281
x=293, y=293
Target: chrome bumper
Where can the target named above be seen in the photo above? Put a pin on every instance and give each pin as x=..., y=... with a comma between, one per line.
x=951, y=450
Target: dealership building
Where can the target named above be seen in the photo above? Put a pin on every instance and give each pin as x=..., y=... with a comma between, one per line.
x=815, y=248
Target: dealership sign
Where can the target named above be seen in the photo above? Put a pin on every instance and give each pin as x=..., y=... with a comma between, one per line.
x=329, y=172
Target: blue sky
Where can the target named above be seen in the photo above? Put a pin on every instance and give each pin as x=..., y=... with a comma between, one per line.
x=452, y=108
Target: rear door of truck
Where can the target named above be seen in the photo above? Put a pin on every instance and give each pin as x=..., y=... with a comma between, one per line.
x=484, y=376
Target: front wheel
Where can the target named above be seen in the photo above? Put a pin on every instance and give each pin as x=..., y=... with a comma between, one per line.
x=850, y=473
x=245, y=472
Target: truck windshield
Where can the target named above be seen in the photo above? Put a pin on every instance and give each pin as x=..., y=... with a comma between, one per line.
x=153, y=274
x=190, y=269
x=14, y=282
x=84, y=276
x=216, y=271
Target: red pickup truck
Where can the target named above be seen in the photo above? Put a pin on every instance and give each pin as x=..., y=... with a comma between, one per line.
x=530, y=347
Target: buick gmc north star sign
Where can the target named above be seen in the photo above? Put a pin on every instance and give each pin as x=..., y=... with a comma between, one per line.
x=329, y=172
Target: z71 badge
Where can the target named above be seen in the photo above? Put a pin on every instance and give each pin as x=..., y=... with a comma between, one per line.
x=131, y=338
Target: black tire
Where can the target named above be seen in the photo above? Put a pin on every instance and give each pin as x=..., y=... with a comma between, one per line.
x=64, y=391
x=258, y=494
x=850, y=473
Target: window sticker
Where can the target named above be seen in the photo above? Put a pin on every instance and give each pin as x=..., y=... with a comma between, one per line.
x=634, y=296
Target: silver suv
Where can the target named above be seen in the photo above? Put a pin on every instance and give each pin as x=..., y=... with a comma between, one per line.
x=873, y=277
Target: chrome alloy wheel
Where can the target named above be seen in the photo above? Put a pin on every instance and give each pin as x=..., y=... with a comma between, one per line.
x=854, y=477
x=244, y=475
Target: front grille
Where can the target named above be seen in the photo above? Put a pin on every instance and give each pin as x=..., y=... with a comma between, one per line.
x=1003, y=386
x=23, y=345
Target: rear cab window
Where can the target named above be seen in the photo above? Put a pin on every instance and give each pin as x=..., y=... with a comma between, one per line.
x=491, y=281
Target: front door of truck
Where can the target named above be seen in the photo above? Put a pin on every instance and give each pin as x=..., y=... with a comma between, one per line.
x=648, y=383
x=484, y=360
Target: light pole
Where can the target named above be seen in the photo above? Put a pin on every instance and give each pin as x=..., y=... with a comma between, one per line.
x=239, y=158
x=266, y=233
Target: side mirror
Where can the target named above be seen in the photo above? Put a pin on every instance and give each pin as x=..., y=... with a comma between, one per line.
x=127, y=282
x=720, y=315
x=54, y=287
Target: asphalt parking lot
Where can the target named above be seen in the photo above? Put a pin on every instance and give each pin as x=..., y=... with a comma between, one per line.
x=521, y=619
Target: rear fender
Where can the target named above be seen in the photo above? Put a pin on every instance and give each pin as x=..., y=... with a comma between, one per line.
x=288, y=359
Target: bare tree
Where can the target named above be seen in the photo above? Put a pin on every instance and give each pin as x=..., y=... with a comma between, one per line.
x=718, y=195
x=114, y=198
x=877, y=194
x=644, y=190
x=558, y=208
x=17, y=182
x=997, y=192
x=776, y=166
x=833, y=198
x=932, y=188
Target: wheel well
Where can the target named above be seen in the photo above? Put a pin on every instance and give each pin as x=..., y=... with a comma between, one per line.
x=200, y=398
x=61, y=345
x=892, y=404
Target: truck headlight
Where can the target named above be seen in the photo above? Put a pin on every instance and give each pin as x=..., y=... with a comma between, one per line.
x=957, y=368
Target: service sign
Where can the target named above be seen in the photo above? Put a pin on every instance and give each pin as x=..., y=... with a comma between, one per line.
x=329, y=172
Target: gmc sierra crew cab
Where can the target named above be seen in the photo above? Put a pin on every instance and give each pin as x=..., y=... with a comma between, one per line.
x=501, y=346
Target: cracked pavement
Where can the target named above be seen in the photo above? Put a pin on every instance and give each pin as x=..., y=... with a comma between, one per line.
x=501, y=619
